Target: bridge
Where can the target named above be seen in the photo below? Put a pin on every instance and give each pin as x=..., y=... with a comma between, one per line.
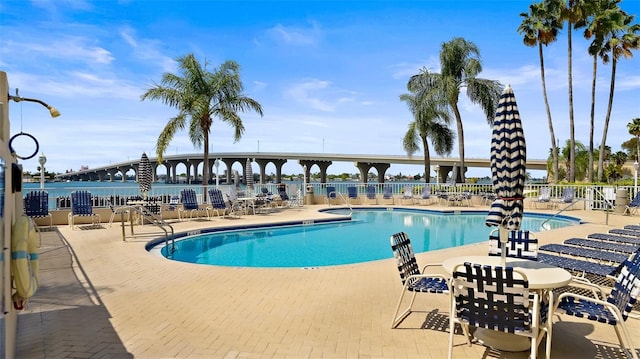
x=364, y=163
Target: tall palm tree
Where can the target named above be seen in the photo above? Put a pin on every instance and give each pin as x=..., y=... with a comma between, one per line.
x=572, y=13
x=430, y=122
x=622, y=38
x=540, y=27
x=459, y=67
x=595, y=24
x=634, y=130
x=200, y=96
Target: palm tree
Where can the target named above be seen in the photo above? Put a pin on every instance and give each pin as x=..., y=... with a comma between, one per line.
x=621, y=39
x=200, y=96
x=595, y=24
x=572, y=13
x=430, y=121
x=540, y=27
x=634, y=130
x=459, y=67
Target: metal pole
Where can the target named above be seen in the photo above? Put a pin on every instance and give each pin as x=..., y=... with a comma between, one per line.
x=635, y=178
x=217, y=164
x=42, y=160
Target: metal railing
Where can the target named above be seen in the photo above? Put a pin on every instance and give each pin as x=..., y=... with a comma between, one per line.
x=147, y=216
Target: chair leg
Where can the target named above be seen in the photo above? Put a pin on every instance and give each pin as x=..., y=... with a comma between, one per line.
x=398, y=318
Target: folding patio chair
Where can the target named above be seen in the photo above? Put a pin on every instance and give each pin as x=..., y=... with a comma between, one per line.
x=387, y=193
x=407, y=195
x=544, y=197
x=498, y=298
x=521, y=244
x=371, y=194
x=413, y=279
x=613, y=308
x=36, y=205
x=426, y=196
x=190, y=204
x=352, y=194
x=81, y=206
x=331, y=195
x=632, y=208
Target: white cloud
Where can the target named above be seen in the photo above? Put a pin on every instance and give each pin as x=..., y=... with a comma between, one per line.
x=296, y=35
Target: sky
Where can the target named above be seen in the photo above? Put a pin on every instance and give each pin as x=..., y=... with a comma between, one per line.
x=328, y=75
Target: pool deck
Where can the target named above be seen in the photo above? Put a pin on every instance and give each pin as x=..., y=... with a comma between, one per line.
x=100, y=297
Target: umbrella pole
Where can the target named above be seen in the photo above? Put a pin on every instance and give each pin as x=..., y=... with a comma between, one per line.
x=503, y=234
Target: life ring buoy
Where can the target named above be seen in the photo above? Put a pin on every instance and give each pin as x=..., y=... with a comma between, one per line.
x=24, y=260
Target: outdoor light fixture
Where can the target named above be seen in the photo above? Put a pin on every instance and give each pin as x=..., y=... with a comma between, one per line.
x=437, y=168
x=52, y=110
x=42, y=160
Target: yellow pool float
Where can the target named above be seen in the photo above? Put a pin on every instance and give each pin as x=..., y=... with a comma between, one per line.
x=24, y=260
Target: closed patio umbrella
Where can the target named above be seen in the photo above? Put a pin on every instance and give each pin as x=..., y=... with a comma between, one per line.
x=145, y=175
x=248, y=174
x=508, y=167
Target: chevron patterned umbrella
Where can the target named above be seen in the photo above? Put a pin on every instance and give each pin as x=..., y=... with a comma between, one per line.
x=145, y=175
x=508, y=164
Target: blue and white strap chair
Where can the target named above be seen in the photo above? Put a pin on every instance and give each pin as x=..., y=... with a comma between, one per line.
x=612, y=309
x=387, y=193
x=371, y=194
x=498, y=298
x=413, y=279
x=36, y=205
x=521, y=244
x=81, y=206
x=332, y=195
x=190, y=204
x=352, y=194
x=632, y=208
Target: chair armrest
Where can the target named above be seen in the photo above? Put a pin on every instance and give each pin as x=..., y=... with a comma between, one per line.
x=584, y=283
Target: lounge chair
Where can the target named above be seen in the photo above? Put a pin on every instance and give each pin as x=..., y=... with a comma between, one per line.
x=171, y=207
x=544, y=197
x=219, y=206
x=36, y=205
x=81, y=206
x=285, y=201
x=625, y=232
x=122, y=211
x=371, y=194
x=614, y=238
x=407, y=195
x=578, y=266
x=352, y=194
x=495, y=298
x=331, y=195
x=426, y=197
x=387, y=193
x=567, y=198
x=632, y=208
x=190, y=204
x=413, y=279
x=603, y=245
x=585, y=253
x=613, y=308
x=521, y=244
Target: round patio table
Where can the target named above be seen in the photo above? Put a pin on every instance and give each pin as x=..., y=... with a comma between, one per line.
x=541, y=276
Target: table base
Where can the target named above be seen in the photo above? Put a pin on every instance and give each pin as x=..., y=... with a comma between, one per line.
x=502, y=341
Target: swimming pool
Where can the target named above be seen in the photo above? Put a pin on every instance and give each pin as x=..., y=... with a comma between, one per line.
x=362, y=239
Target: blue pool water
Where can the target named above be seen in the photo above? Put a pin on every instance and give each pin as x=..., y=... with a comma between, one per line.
x=363, y=239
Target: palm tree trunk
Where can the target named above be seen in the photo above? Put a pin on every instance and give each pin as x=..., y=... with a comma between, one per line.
x=606, y=120
x=554, y=148
x=572, y=138
x=427, y=161
x=456, y=113
x=205, y=166
x=593, y=115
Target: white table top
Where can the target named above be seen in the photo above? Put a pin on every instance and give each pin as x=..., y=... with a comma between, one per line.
x=539, y=275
